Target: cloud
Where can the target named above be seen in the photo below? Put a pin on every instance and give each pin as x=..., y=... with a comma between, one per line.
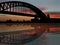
x=50, y=4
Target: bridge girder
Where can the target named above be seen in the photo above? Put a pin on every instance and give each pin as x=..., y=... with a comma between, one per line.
x=9, y=4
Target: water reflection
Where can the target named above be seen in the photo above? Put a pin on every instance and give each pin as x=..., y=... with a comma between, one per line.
x=17, y=34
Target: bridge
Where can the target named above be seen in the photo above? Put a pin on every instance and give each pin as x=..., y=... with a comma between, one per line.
x=21, y=8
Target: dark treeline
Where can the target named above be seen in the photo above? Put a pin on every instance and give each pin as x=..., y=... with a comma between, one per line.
x=51, y=20
x=35, y=20
x=10, y=21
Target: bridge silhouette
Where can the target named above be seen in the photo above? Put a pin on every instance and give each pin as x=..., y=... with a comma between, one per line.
x=9, y=7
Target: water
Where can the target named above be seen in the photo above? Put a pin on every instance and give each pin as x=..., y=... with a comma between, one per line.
x=29, y=34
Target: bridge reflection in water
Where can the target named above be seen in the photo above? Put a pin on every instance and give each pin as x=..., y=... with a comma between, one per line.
x=24, y=33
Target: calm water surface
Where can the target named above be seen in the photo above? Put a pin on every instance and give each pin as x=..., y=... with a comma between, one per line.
x=30, y=34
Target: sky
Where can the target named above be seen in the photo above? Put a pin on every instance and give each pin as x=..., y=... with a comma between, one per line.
x=50, y=5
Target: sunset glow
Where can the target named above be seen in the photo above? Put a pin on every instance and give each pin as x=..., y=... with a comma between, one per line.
x=4, y=17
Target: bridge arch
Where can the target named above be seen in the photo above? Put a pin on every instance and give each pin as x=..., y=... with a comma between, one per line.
x=10, y=4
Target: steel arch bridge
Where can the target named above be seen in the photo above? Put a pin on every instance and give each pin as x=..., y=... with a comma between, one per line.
x=9, y=7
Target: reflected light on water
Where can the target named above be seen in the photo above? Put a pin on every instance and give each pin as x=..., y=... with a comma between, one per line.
x=26, y=32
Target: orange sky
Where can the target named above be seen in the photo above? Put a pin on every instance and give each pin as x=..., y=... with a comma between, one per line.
x=4, y=17
x=55, y=15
